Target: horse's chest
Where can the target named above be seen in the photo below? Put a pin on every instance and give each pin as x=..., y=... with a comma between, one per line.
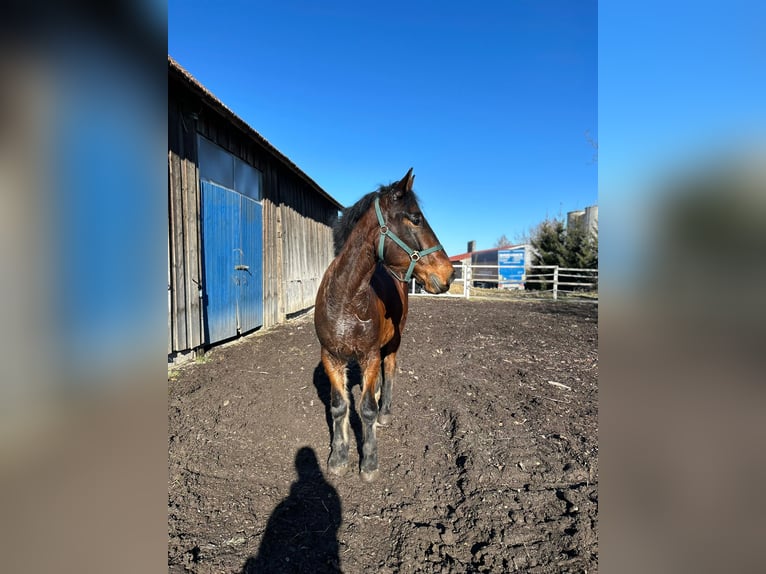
x=357, y=337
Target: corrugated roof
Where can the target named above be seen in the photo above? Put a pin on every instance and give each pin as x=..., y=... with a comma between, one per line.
x=206, y=95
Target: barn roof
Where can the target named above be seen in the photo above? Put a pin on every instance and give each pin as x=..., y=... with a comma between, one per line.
x=470, y=253
x=175, y=68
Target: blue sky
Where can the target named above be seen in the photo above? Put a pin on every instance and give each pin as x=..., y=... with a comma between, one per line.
x=489, y=102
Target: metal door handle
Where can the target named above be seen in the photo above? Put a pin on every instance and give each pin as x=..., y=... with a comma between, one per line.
x=242, y=267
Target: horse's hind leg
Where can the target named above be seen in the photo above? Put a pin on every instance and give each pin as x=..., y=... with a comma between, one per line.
x=369, y=414
x=339, y=409
x=386, y=387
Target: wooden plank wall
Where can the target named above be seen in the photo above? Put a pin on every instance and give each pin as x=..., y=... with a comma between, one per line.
x=184, y=248
x=307, y=251
x=271, y=245
x=297, y=251
x=185, y=304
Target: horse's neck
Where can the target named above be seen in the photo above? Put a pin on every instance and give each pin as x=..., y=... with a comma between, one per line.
x=356, y=262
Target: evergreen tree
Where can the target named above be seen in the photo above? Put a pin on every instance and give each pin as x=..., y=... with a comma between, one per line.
x=556, y=245
x=548, y=240
x=573, y=247
x=581, y=250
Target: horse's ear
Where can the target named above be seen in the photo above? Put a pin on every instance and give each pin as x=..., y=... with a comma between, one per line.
x=404, y=185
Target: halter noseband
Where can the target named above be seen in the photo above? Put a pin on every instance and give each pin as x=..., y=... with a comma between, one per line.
x=414, y=255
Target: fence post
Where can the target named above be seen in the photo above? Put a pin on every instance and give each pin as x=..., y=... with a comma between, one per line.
x=556, y=283
x=466, y=280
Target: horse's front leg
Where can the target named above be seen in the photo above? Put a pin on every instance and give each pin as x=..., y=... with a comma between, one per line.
x=339, y=409
x=369, y=414
x=386, y=387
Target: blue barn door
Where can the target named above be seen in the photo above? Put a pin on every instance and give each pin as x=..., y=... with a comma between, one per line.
x=232, y=263
x=250, y=278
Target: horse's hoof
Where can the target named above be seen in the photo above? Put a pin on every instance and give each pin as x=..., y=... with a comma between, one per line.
x=370, y=476
x=339, y=470
x=384, y=419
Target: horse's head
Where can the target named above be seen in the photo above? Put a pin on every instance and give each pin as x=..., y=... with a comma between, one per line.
x=407, y=244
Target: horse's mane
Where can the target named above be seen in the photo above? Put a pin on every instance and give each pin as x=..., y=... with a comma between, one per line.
x=351, y=215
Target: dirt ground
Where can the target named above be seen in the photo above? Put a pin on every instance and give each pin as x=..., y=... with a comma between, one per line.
x=489, y=465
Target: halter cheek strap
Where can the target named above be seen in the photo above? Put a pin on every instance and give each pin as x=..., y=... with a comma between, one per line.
x=414, y=254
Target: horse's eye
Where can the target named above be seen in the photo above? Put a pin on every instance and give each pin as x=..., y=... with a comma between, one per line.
x=416, y=218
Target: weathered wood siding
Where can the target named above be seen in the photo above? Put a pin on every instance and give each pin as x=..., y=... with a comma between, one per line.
x=185, y=306
x=272, y=257
x=297, y=251
x=307, y=250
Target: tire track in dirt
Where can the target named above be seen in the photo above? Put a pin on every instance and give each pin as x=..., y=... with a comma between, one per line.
x=488, y=515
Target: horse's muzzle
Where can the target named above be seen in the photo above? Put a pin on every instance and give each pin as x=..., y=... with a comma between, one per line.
x=436, y=283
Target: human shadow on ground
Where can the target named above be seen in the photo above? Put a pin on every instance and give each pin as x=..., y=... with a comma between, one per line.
x=301, y=534
x=322, y=384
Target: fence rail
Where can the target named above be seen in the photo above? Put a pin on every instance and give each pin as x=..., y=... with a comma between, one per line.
x=532, y=279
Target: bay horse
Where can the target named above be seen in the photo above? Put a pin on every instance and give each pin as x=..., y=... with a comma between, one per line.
x=381, y=242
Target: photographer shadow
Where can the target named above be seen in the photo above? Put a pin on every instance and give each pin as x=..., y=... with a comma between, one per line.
x=301, y=534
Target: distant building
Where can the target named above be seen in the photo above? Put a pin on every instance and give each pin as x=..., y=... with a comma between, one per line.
x=500, y=267
x=588, y=218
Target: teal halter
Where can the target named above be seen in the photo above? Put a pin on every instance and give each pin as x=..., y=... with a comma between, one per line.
x=414, y=255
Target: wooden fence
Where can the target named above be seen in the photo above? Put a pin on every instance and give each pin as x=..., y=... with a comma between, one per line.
x=552, y=278
x=536, y=280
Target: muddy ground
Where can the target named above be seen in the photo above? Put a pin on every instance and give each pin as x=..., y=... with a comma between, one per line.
x=489, y=465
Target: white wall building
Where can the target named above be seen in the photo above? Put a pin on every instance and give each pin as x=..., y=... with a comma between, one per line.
x=587, y=217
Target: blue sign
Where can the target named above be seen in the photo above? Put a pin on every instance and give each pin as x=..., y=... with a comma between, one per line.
x=511, y=263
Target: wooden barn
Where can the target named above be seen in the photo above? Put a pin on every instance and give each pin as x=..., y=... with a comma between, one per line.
x=250, y=234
